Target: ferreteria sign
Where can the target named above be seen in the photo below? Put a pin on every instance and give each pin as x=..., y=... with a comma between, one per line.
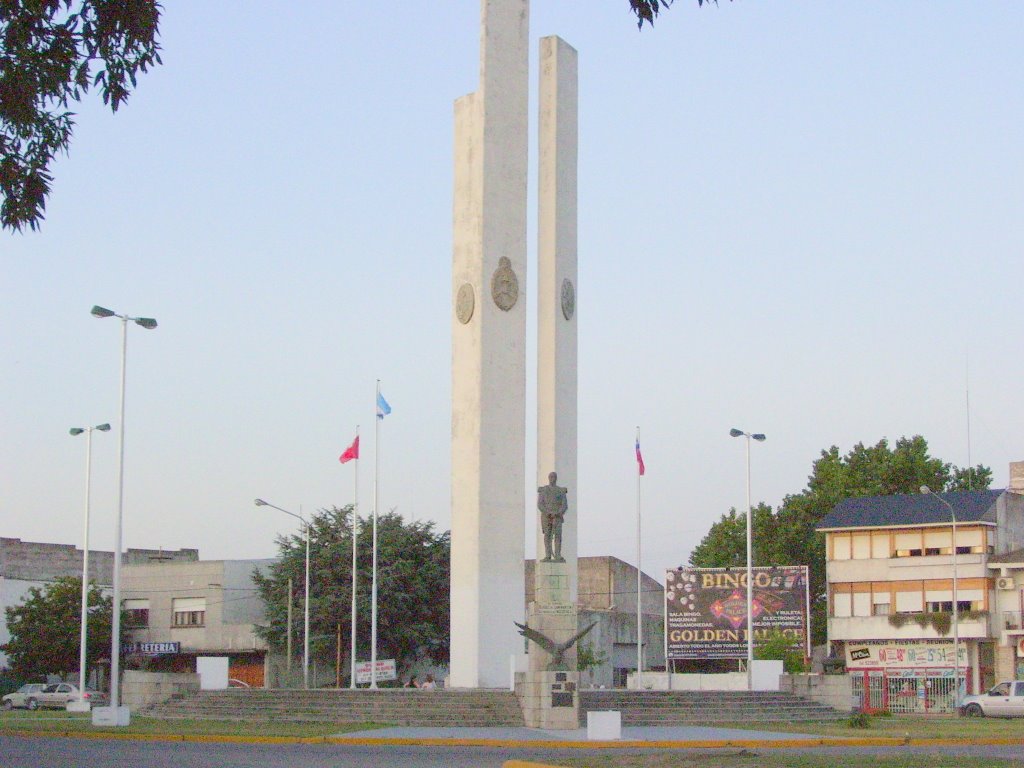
x=151, y=649
x=706, y=609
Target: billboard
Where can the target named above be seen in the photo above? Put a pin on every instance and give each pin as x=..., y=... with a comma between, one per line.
x=706, y=609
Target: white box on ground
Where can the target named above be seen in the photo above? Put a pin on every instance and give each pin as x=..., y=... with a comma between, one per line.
x=604, y=726
x=765, y=675
x=213, y=672
x=117, y=716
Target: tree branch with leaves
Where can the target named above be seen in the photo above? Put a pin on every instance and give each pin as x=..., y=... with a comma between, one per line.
x=51, y=53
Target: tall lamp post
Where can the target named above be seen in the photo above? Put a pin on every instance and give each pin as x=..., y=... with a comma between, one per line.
x=82, y=705
x=120, y=715
x=305, y=619
x=750, y=559
x=956, y=608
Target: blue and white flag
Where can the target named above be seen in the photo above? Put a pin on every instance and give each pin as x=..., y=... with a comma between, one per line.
x=383, y=409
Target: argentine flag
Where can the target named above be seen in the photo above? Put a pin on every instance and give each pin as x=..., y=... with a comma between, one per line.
x=383, y=409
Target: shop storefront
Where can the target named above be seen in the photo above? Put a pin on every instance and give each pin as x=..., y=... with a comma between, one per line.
x=908, y=677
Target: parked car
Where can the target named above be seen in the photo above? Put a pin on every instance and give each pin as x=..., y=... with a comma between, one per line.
x=21, y=696
x=58, y=695
x=1003, y=700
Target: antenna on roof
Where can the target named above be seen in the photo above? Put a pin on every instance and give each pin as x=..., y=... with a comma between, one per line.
x=967, y=392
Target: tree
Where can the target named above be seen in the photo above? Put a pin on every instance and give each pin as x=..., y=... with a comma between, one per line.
x=48, y=49
x=45, y=629
x=412, y=587
x=788, y=536
x=778, y=646
x=648, y=10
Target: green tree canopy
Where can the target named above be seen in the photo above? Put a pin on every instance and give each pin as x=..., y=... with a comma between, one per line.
x=787, y=536
x=45, y=629
x=412, y=588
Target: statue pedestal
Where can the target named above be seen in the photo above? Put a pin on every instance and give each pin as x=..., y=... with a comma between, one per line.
x=550, y=695
x=550, y=700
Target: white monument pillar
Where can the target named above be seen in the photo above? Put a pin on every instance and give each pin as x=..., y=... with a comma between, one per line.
x=556, y=285
x=489, y=354
x=550, y=693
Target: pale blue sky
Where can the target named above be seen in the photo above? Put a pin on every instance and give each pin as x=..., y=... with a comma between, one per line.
x=798, y=218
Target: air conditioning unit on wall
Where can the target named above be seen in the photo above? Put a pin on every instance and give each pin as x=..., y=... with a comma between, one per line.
x=1005, y=582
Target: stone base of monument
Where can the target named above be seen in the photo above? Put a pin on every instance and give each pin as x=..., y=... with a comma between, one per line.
x=550, y=692
x=550, y=700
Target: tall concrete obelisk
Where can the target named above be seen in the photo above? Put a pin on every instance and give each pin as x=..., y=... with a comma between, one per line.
x=556, y=284
x=489, y=354
x=550, y=691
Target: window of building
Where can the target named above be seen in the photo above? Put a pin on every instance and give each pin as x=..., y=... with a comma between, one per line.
x=909, y=552
x=861, y=546
x=909, y=602
x=138, y=612
x=880, y=609
x=908, y=544
x=841, y=546
x=188, y=611
x=880, y=545
x=861, y=603
x=842, y=605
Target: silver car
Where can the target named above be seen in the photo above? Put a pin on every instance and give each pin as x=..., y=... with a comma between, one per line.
x=21, y=697
x=1003, y=700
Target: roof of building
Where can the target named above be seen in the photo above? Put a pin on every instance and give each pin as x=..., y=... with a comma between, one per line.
x=912, y=509
x=1016, y=556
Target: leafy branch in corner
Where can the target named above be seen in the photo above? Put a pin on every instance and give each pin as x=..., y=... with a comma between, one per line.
x=51, y=53
x=648, y=10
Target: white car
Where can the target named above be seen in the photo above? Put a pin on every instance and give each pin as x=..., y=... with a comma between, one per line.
x=1003, y=700
x=20, y=697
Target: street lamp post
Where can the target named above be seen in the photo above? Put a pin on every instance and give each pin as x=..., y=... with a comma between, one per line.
x=305, y=618
x=750, y=559
x=956, y=608
x=120, y=715
x=82, y=705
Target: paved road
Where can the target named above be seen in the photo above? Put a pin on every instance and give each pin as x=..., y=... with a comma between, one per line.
x=23, y=752
x=20, y=752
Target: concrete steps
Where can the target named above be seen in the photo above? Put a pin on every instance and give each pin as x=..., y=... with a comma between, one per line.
x=705, y=707
x=400, y=707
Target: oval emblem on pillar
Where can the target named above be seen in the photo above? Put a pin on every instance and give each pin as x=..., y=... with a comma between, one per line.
x=465, y=302
x=568, y=299
x=504, y=285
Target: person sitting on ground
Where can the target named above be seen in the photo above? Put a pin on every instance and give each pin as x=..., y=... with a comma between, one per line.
x=428, y=683
x=412, y=682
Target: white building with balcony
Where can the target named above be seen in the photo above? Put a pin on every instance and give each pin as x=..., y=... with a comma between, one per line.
x=890, y=573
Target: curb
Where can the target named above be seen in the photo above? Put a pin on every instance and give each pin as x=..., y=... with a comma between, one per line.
x=529, y=743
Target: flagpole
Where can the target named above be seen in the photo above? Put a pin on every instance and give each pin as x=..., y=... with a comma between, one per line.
x=355, y=563
x=639, y=621
x=373, y=588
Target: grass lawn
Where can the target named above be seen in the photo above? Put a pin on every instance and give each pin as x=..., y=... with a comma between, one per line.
x=71, y=723
x=770, y=759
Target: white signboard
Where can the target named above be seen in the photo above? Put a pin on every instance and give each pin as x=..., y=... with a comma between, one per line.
x=386, y=670
x=901, y=655
x=213, y=672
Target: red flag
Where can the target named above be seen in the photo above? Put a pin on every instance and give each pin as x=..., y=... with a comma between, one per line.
x=639, y=458
x=352, y=452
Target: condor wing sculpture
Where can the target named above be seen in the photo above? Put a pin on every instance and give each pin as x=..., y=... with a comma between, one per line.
x=557, y=650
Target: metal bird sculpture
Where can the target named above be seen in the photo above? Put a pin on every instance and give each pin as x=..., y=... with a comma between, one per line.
x=557, y=650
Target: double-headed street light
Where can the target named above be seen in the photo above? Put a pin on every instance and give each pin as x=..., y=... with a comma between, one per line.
x=305, y=619
x=956, y=608
x=120, y=718
x=83, y=632
x=750, y=559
